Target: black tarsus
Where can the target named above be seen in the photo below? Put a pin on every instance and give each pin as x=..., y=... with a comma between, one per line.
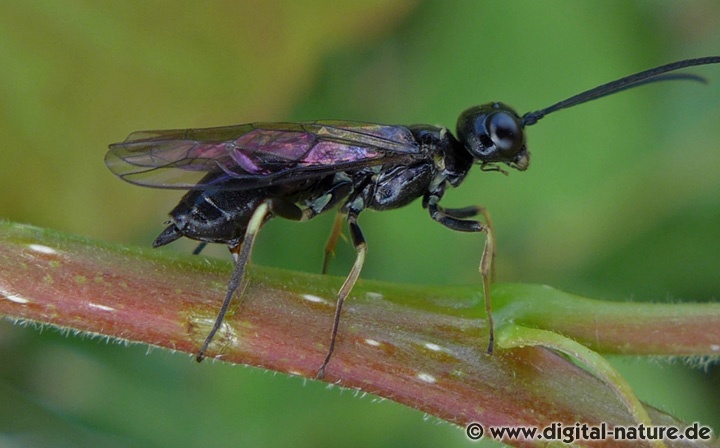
x=199, y=248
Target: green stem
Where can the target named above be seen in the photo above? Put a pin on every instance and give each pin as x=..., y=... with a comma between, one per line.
x=512, y=336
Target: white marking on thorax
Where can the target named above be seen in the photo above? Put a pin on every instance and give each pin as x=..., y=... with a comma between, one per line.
x=210, y=201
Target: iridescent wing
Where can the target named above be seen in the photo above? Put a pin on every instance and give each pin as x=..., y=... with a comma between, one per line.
x=257, y=154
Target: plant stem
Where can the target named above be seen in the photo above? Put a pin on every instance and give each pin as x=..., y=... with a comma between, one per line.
x=421, y=346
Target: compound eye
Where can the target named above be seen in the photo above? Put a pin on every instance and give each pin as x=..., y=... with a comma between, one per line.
x=505, y=132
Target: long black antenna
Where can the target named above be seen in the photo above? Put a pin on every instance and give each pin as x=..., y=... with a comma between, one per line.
x=628, y=82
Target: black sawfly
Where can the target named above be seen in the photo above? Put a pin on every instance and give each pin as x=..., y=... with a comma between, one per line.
x=241, y=176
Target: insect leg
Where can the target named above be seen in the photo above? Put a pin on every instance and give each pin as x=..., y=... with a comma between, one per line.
x=469, y=212
x=446, y=218
x=199, y=248
x=341, y=187
x=332, y=240
x=241, y=254
x=361, y=247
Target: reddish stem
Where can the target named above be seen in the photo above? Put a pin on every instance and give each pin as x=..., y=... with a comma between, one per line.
x=428, y=354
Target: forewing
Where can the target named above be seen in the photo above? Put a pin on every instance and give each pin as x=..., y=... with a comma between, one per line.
x=257, y=154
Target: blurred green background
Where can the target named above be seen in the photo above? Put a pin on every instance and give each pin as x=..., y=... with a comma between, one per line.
x=621, y=202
